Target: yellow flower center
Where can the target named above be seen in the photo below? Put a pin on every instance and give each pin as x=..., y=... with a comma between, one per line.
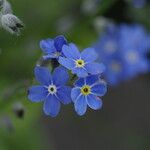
x=80, y=63
x=86, y=90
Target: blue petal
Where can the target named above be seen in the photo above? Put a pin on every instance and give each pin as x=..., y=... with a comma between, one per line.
x=59, y=41
x=92, y=79
x=75, y=93
x=89, y=55
x=71, y=51
x=64, y=94
x=68, y=63
x=81, y=72
x=37, y=93
x=80, y=82
x=80, y=105
x=95, y=68
x=47, y=46
x=43, y=75
x=94, y=102
x=51, y=106
x=99, y=89
x=60, y=76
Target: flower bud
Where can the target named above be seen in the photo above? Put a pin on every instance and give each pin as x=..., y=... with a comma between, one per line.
x=6, y=7
x=11, y=23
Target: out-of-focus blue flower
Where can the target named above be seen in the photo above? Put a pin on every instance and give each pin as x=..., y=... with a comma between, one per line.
x=52, y=90
x=138, y=3
x=82, y=63
x=53, y=47
x=123, y=49
x=135, y=44
x=87, y=92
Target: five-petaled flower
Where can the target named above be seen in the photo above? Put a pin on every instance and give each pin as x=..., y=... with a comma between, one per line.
x=52, y=89
x=82, y=63
x=53, y=47
x=87, y=91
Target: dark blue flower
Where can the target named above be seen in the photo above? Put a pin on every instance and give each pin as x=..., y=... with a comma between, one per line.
x=52, y=90
x=82, y=63
x=87, y=92
x=53, y=47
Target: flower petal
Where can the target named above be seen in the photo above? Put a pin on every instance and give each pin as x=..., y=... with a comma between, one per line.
x=59, y=41
x=37, y=93
x=68, y=63
x=89, y=55
x=94, y=102
x=60, y=76
x=80, y=82
x=92, y=79
x=99, y=89
x=81, y=72
x=95, y=68
x=75, y=92
x=47, y=46
x=80, y=105
x=43, y=75
x=71, y=51
x=64, y=94
x=51, y=106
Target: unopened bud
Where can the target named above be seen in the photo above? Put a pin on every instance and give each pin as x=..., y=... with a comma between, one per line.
x=11, y=23
x=19, y=110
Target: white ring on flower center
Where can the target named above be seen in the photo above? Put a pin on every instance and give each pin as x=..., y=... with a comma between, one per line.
x=132, y=57
x=80, y=63
x=52, y=89
x=110, y=47
x=115, y=66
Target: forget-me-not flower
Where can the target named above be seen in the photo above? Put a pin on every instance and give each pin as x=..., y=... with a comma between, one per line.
x=123, y=49
x=87, y=92
x=53, y=47
x=139, y=3
x=82, y=64
x=52, y=90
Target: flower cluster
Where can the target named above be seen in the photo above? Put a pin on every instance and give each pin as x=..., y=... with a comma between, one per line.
x=53, y=90
x=123, y=49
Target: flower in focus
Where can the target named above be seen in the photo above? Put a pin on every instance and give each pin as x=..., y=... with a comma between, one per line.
x=82, y=63
x=52, y=90
x=53, y=47
x=87, y=92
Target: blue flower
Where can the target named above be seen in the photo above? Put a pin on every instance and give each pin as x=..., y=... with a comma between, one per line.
x=134, y=50
x=53, y=47
x=52, y=90
x=87, y=92
x=123, y=49
x=139, y=3
x=82, y=63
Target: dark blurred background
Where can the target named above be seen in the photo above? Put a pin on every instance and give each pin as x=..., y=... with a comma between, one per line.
x=122, y=124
